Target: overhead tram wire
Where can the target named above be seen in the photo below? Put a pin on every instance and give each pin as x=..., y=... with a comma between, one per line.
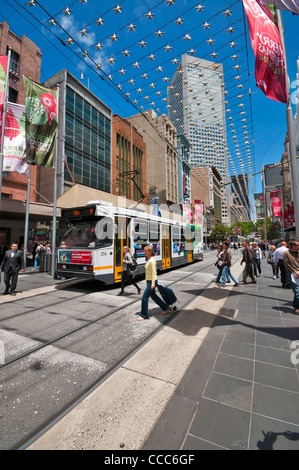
x=60, y=40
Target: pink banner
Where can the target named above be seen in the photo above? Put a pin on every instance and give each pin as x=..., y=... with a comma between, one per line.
x=3, y=71
x=276, y=203
x=268, y=51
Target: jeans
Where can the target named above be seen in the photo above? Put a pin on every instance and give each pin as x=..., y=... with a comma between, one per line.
x=220, y=274
x=226, y=274
x=257, y=266
x=145, y=298
x=295, y=289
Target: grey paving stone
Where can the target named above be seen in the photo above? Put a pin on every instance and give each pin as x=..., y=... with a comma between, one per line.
x=270, y=434
x=221, y=425
x=230, y=391
x=276, y=403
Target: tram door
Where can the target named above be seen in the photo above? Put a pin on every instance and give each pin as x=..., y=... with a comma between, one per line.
x=189, y=242
x=120, y=240
x=166, y=247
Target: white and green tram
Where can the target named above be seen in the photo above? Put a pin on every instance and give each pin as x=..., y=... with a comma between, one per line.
x=97, y=233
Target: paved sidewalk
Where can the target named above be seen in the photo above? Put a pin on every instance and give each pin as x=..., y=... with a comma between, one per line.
x=241, y=390
x=32, y=283
x=218, y=376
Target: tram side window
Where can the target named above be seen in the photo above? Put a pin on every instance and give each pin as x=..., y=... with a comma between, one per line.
x=154, y=236
x=104, y=232
x=141, y=231
x=140, y=237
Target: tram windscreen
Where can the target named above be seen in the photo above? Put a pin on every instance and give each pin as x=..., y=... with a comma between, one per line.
x=95, y=233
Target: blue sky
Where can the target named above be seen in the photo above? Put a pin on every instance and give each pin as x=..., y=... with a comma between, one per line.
x=139, y=44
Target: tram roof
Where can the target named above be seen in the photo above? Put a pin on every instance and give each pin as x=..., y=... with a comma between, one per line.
x=79, y=196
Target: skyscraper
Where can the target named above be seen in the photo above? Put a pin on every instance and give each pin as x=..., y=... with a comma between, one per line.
x=196, y=106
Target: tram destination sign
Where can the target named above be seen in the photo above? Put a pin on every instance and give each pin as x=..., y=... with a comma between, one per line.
x=79, y=212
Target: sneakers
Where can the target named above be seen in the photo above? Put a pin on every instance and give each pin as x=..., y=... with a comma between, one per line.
x=274, y=277
x=169, y=310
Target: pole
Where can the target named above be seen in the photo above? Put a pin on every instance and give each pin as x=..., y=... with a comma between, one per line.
x=27, y=215
x=55, y=194
x=4, y=119
x=291, y=132
x=265, y=208
x=282, y=215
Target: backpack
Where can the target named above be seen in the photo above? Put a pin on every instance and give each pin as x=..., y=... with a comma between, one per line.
x=134, y=265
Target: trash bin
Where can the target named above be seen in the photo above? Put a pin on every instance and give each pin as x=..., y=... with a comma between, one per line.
x=45, y=263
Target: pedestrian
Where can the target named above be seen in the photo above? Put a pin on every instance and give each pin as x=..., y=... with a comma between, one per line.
x=151, y=283
x=248, y=260
x=12, y=264
x=3, y=249
x=40, y=250
x=227, y=262
x=278, y=260
x=127, y=276
x=291, y=263
x=270, y=260
x=257, y=259
x=219, y=264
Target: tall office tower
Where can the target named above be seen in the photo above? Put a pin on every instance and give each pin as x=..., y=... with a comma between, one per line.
x=240, y=191
x=196, y=106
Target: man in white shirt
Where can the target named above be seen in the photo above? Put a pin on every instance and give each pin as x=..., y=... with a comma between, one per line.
x=278, y=262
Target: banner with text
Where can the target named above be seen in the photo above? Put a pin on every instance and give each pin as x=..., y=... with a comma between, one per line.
x=276, y=200
x=40, y=123
x=270, y=67
x=14, y=147
x=259, y=205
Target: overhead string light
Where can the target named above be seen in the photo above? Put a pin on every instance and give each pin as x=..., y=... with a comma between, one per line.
x=134, y=52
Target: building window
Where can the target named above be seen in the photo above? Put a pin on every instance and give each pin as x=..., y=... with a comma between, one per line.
x=14, y=62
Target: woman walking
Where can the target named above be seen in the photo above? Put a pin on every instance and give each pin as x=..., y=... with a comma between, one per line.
x=127, y=276
x=270, y=260
x=151, y=283
x=257, y=259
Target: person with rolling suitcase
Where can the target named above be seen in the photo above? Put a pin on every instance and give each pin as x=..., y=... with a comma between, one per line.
x=151, y=283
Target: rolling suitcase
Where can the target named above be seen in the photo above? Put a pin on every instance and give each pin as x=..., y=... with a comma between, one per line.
x=168, y=296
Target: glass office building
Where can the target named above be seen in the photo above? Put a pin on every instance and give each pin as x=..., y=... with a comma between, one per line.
x=84, y=136
x=196, y=102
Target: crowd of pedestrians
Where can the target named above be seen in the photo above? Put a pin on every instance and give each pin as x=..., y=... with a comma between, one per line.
x=283, y=259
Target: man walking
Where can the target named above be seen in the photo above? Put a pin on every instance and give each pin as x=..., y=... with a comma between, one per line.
x=227, y=262
x=12, y=264
x=248, y=260
x=291, y=263
x=278, y=261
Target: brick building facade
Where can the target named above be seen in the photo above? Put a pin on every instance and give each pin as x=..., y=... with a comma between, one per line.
x=25, y=60
x=128, y=156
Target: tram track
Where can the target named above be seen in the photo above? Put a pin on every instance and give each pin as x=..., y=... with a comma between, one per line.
x=76, y=330
x=31, y=434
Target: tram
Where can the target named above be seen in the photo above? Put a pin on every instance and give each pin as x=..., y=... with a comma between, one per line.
x=97, y=233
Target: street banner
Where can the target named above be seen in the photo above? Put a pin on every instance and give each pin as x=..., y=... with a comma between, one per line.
x=40, y=123
x=289, y=215
x=266, y=42
x=287, y=5
x=14, y=146
x=3, y=71
x=187, y=213
x=259, y=205
x=276, y=200
x=199, y=208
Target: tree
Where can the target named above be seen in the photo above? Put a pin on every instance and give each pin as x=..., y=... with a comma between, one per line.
x=272, y=228
x=221, y=232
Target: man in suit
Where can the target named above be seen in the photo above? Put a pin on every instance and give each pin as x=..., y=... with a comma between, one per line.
x=12, y=264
